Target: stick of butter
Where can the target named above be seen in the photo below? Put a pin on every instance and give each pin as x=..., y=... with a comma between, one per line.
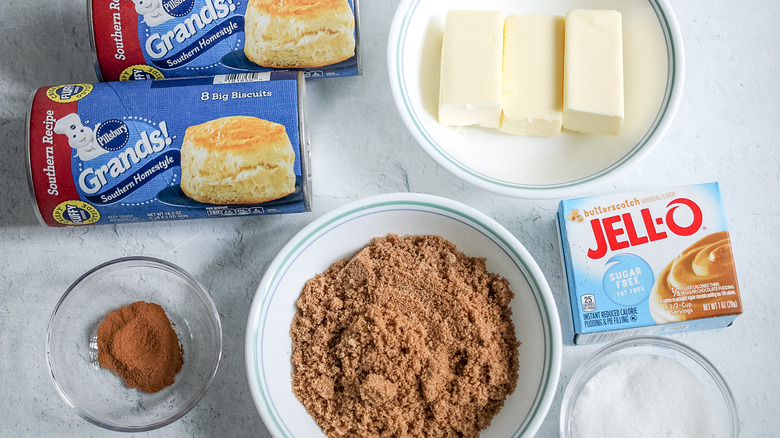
x=533, y=75
x=593, y=73
x=471, y=57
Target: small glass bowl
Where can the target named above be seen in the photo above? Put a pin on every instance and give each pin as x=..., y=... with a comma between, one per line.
x=99, y=395
x=715, y=388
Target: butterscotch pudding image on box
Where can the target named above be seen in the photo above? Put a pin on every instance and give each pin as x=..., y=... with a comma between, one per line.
x=701, y=282
x=299, y=33
x=237, y=160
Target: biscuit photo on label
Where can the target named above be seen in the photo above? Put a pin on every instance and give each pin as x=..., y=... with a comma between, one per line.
x=237, y=160
x=299, y=33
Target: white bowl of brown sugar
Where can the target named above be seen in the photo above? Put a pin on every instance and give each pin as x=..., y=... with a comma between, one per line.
x=403, y=314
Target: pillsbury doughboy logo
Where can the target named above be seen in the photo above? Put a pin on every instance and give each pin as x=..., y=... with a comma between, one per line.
x=80, y=137
x=157, y=12
x=152, y=12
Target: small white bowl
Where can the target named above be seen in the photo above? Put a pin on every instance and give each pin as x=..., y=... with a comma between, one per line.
x=535, y=167
x=346, y=230
x=721, y=406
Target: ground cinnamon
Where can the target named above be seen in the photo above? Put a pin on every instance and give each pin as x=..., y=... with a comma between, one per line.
x=138, y=343
x=408, y=338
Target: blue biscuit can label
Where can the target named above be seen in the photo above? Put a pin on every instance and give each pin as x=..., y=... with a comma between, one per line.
x=153, y=39
x=155, y=150
x=651, y=262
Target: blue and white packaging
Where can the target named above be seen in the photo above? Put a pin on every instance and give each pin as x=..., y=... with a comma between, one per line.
x=112, y=152
x=147, y=39
x=648, y=263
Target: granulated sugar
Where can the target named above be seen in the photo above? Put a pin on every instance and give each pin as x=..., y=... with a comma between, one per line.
x=644, y=396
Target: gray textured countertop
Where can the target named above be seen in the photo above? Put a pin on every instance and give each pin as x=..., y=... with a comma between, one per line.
x=726, y=130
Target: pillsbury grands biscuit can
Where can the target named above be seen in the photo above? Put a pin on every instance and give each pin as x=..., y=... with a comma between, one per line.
x=148, y=39
x=157, y=150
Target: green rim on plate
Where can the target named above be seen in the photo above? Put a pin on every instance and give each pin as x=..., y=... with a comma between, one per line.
x=419, y=203
x=663, y=118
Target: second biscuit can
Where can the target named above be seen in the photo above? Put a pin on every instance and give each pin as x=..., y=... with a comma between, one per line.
x=146, y=39
x=157, y=150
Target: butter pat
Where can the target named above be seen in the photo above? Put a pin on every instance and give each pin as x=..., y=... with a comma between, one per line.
x=470, y=87
x=533, y=75
x=593, y=77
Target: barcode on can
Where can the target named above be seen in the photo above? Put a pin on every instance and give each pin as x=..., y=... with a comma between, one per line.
x=236, y=78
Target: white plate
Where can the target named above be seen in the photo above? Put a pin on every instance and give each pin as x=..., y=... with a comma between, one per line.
x=534, y=167
x=343, y=232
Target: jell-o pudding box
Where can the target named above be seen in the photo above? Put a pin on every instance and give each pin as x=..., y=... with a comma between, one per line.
x=648, y=263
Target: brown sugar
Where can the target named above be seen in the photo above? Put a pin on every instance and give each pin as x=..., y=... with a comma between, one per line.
x=407, y=338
